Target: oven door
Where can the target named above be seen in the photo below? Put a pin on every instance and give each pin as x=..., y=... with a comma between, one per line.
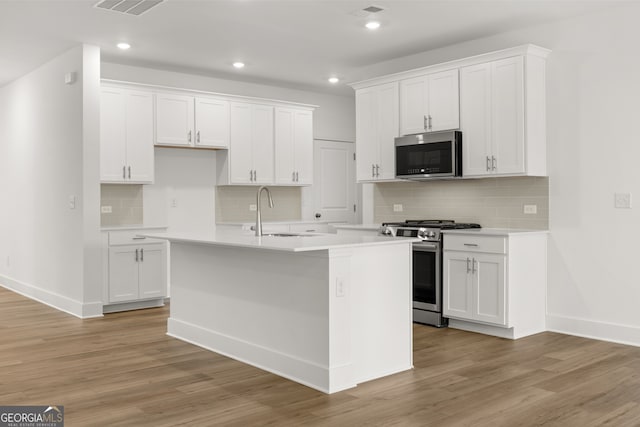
x=427, y=282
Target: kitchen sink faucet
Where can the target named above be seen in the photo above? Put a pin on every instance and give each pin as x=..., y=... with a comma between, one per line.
x=258, y=226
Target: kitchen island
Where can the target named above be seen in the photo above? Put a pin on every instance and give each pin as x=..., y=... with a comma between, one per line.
x=326, y=311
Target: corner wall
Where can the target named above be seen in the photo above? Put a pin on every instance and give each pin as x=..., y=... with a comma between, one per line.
x=49, y=158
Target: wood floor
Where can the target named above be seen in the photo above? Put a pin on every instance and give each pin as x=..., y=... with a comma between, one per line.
x=123, y=370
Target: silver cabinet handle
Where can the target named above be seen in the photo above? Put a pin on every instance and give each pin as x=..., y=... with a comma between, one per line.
x=468, y=265
x=189, y=138
x=426, y=123
x=473, y=266
x=129, y=172
x=373, y=171
x=139, y=238
x=136, y=255
x=124, y=172
x=255, y=175
x=198, y=137
x=250, y=175
x=470, y=244
x=488, y=163
x=297, y=177
x=293, y=176
x=377, y=170
x=494, y=163
x=429, y=121
x=141, y=254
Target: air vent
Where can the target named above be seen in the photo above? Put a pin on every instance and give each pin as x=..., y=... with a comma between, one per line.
x=373, y=9
x=130, y=7
x=367, y=11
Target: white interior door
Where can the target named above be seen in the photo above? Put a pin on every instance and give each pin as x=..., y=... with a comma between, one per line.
x=334, y=181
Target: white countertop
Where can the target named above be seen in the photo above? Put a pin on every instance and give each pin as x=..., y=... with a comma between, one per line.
x=265, y=223
x=132, y=227
x=308, y=242
x=493, y=231
x=367, y=227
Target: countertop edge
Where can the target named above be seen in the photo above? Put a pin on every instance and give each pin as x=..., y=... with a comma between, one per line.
x=495, y=231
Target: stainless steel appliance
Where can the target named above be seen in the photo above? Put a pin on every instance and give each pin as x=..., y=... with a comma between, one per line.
x=433, y=155
x=427, y=264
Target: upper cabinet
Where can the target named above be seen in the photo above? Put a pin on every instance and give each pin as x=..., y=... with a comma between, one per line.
x=377, y=114
x=126, y=136
x=293, y=146
x=502, y=123
x=497, y=100
x=429, y=103
x=187, y=121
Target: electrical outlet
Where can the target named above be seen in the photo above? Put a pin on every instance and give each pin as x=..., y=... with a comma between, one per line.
x=531, y=209
x=106, y=209
x=340, y=287
x=623, y=200
x=397, y=208
x=253, y=207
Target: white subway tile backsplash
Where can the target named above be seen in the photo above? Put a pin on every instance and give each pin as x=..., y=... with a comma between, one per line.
x=232, y=204
x=126, y=204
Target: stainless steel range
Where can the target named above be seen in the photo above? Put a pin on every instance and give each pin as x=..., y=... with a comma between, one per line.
x=427, y=264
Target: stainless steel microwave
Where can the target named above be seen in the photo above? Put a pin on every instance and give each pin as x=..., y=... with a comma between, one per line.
x=432, y=155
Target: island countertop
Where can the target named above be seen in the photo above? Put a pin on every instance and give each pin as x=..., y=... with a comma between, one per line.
x=305, y=242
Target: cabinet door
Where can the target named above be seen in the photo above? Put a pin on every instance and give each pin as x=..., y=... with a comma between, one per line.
x=262, y=143
x=303, y=147
x=113, y=137
x=284, y=146
x=139, y=129
x=443, y=109
x=152, y=273
x=240, y=150
x=457, y=290
x=489, y=288
x=475, y=119
x=174, y=120
x=366, y=134
x=413, y=105
x=387, y=130
x=212, y=123
x=508, y=115
x=123, y=274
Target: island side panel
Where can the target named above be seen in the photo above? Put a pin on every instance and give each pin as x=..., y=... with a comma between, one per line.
x=266, y=308
x=382, y=322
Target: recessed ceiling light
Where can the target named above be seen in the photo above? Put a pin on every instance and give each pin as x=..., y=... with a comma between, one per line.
x=123, y=46
x=372, y=25
x=238, y=65
x=333, y=80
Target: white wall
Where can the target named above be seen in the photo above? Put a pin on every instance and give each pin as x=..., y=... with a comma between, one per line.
x=593, y=93
x=49, y=152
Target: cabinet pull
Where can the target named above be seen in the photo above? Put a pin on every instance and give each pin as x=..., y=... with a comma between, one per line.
x=473, y=266
x=129, y=172
x=136, y=255
x=255, y=175
x=494, y=163
x=297, y=177
x=377, y=170
x=141, y=254
x=198, y=137
x=373, y=171
x=139, y=238
x=426, y=123
x=250, y=175
x=468, y=265
x=470, y=244
x=488, y=164
x=429, y=121
x=124, y=172
x=293, y=176
x=189, y=137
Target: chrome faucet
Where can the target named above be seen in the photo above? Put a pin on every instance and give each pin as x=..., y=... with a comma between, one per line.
x=258, y=226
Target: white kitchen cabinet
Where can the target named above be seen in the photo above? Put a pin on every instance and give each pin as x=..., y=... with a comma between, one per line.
x=430, y=103
x=377, y=115
x=502, y=117
x=126, y=136
x=293, y=146
x=187, y=121
x=250, y=158
x=495, y=283
x=137, y=272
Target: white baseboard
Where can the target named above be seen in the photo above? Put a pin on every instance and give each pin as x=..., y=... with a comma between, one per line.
x=604, y=331
x=52, y=299
x=298, y=370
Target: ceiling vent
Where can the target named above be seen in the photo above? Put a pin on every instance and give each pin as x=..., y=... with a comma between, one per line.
x=130, y=7
x=367, y=11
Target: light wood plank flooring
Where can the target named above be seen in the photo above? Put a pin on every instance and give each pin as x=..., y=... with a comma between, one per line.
x=123, y=370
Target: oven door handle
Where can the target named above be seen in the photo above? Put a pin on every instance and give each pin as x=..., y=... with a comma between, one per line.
x=425, y=247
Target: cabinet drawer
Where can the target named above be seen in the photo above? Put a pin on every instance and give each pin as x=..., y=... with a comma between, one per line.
x=130, y=237
x=491, y=244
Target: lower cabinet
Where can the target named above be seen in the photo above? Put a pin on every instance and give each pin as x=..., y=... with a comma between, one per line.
x=137, y=272
x=495, y=283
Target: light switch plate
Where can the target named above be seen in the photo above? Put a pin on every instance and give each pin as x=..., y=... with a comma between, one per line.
x=397, y=208
x=622, y=200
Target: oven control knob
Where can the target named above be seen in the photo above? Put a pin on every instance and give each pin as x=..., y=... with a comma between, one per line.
x=385, y=231
x=431, y=234
x=422, y=233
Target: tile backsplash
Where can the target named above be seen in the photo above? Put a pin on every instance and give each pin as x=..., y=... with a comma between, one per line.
x=232, y=204
x=125, y=202
x=491, y=202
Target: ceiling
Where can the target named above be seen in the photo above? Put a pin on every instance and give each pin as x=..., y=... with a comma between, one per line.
x=295, y=43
